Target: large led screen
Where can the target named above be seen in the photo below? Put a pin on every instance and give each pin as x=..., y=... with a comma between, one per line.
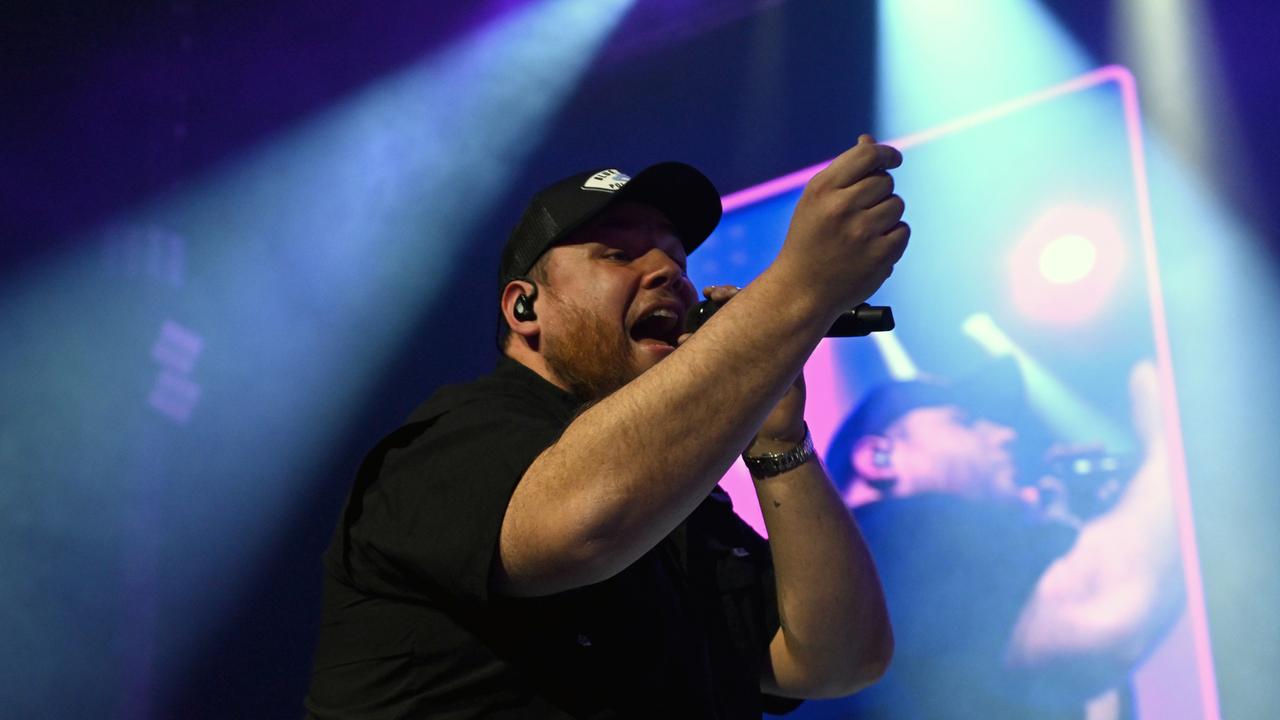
x=1029, y=290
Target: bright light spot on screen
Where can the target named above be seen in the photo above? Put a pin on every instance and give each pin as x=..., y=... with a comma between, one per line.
x=895, y=356
x=1067, y=259
x=983, y=329
x=1066, y=265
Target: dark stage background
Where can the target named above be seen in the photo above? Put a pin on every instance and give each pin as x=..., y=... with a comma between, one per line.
x=174, y=449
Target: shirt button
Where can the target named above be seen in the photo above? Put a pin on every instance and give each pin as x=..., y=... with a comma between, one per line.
x=583, y=640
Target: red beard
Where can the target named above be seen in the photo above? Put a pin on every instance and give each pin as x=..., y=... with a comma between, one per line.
x=592, y=357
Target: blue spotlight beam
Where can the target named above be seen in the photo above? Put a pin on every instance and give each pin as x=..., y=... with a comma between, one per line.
x=952, y=64
x=1067, y=414
x=176, y=407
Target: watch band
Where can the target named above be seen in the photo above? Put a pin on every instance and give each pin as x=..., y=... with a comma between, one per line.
x=771, y=464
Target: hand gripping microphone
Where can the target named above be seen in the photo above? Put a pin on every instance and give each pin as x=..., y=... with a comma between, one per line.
x=862, y=320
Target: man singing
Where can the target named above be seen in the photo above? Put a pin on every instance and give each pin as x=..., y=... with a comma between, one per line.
x=1015, y=598
x=549, y=540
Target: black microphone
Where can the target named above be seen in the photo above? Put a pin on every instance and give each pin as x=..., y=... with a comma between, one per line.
x=862, y=320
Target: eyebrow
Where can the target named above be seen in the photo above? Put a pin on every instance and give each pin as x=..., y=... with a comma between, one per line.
x=681, y=257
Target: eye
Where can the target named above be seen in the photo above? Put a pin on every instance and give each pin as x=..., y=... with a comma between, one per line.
x=618, y=255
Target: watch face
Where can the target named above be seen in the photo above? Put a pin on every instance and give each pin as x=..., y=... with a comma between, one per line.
x=778, y=463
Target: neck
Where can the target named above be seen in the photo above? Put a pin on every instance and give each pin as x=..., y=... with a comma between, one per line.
x=520, y=352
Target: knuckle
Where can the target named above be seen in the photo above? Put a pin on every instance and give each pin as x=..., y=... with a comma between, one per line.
x=884, y=187
x=869, y=153
x=891, y=210
x=814, y=197
x=872, y=187
x=862, y=227
x=829, y=205
x=819, y=182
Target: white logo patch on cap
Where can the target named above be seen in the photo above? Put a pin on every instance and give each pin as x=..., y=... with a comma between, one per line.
x=606, y=180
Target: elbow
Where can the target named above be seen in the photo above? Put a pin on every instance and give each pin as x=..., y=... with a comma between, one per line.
x=592, y=559
x=590, y=553
x=883, y=655
x=873, y=662
x=551, y=553
x=555, y=569
x=597, y=547
x=874, y=653
x=860, y=667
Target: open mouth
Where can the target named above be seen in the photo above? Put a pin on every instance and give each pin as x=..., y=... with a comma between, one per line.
x=658, y=326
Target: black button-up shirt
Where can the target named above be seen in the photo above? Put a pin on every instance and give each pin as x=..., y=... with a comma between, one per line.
x=411, y=630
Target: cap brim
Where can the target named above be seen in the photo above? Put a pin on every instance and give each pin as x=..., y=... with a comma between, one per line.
x=688, y=199
x=996, y=391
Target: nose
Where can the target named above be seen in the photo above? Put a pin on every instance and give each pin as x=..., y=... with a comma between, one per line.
x=664, y=272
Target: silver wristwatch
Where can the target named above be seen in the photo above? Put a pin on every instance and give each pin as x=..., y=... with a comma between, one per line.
x=770, y=464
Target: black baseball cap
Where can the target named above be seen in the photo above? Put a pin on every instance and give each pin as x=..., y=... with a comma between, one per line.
x=688, y=199
x=996, y=392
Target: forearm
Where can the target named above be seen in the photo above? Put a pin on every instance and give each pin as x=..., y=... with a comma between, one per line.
x=835, y=635
x=1140, y=535
x=632, y=467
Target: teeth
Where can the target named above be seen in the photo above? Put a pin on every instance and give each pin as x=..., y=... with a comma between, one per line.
x=662, y=313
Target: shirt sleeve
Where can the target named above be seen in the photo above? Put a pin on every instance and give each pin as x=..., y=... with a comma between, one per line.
x=428, y=524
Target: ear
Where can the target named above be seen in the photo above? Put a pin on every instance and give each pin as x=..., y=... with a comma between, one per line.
x=528, y=329
x=873, y=459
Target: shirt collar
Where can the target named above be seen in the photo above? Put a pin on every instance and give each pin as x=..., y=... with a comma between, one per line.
x=511, y=369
